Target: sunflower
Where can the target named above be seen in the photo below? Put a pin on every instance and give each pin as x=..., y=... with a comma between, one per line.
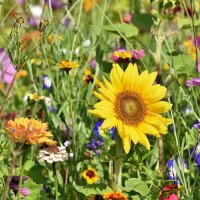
x=67, y=65
x=90, y=175
x=114, y=196
x=29, y=131
x=131, y=103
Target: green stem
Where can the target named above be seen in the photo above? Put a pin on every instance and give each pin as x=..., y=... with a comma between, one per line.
x=55, y=180
x=23, y=157
x=118, y=163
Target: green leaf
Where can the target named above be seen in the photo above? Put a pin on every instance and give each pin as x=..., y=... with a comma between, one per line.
x=93, y=189
x=33, y=188
x=28, y=164
x=135, y=184
x=143, y=21
x=127, y=30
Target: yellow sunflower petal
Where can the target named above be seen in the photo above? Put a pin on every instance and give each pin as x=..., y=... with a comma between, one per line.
x=135, y=76
x=102, y=113
x=100, y=96
x=160, y=107
x=116, y=75
x=104, y=105
x=128, y=76
x=141, y=81
x=133, y=134
x=109, y=123
x=144, y=140
x=126, y=141
x=149, y=129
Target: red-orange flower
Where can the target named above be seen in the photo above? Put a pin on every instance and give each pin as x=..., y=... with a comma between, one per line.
x=29, y=131
x=114, y=196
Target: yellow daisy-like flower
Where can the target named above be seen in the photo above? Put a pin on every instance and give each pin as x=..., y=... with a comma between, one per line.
x=90, y=175
x=114, y=196
x=67, y=65
x=131, y=103
x=35, y=96
x=29, y=131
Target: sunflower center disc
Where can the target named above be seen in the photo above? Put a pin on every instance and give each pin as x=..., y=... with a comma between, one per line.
x=130, y=107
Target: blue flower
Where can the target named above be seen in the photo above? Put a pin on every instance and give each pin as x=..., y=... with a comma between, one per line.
x=97, y=131
x=46, y=81
x=172, y=174
x=195, y=154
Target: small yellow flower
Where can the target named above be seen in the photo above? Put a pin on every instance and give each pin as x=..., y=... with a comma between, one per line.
x=50, y=39
x=89, y=77
x=35, y=96
x=22, y=73
x=67, y=65
x=90, y=175
x=114, y=196
x=122, y=55
x=29, y=131
x=166, y=67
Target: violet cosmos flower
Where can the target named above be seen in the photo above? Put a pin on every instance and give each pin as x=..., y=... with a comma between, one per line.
x=7, y=70
x=55, y=4
x=193, y=82
x=195, y=154
x=172, y=174
x=14, y=184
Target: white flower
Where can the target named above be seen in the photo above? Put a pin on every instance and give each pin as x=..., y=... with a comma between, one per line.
x=87, y=43
x=36, y=10
x=66, y=143
x=53, y=154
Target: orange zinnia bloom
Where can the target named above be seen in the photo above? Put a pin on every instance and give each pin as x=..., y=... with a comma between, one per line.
x=29, y=131
x=114, y=195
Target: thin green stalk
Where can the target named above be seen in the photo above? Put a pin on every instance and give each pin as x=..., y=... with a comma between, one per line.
x=118, y=163
x=75, y=36
x=111, y=173
x=55, y=180
x=23, y=157
x=179, y=152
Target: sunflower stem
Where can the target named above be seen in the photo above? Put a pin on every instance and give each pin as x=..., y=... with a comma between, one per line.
x=118, y=163
x=55, y=180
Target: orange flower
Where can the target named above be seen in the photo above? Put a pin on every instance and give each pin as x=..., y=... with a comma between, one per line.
x=89, y=4
x=114, y=195
x=67, y=65
x=29, y=131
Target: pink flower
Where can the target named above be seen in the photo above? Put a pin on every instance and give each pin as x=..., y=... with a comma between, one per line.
x=127, y=17
x=7, y=69
x=173, y=197
x=137, y=54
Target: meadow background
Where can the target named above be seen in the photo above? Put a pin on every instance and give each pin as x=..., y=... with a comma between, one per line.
x=53, y=56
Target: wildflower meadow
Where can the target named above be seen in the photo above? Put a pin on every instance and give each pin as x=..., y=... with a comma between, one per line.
x=100, y=99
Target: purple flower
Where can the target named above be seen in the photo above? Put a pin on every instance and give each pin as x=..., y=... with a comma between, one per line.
x=55, y=4
x=14, y=184
x=172, y=174
x=7, y=69
x=92, y=63
x=20, y=1
x=36, y=12
x=193, y=82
